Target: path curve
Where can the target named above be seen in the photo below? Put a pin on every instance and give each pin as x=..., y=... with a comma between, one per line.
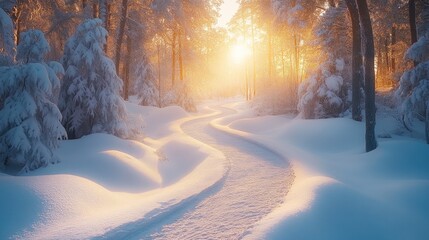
x=257, y=182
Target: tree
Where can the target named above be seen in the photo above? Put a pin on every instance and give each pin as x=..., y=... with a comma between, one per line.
x=121, y=32
x=90, y=95
x=33, y=48
x=414, y=83
x=145, y=86
x=325, y=93
x=356, y=60
x=30, y=123
x=368, y=42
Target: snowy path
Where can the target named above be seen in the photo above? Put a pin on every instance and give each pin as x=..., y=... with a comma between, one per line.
x=257, y=182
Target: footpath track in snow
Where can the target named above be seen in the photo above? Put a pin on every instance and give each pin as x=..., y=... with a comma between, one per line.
x=257, y=182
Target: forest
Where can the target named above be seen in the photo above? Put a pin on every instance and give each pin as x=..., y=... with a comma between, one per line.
x=303, y=56
x=151, y=81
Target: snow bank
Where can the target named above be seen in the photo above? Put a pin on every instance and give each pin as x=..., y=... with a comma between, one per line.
x=341, y=192
x=103, y=182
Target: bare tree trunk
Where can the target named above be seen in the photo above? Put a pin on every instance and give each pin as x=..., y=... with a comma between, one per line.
x=104, y=15
x=122, y=23
x=180, y=56
x=245, y=61
x=412, y=19
x=127, y=69
x=159, y=76
x=368, y=41
x=95, y=10
x=270, y=53
x=173, y=59
x=393, y=42
x=386, y=57
x=16, y=18
x=253, y=52
x=356, y=61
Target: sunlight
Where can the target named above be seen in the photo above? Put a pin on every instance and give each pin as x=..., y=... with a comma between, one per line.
x=227, y=10
x=239, y=53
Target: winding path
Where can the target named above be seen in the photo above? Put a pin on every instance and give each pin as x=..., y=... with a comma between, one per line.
x=257, y=182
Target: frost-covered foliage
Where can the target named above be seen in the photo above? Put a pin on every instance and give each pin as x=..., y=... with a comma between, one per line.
x=296, y=13
x=414, y=84
x=326, y=93
x=144, y=85
x=323, y=95
x=30, y=124
x=7, y=43
x=180, y=96
x=90, y=98
x=33, y=48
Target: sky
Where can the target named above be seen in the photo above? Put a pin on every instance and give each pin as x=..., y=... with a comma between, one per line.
x=227, y=11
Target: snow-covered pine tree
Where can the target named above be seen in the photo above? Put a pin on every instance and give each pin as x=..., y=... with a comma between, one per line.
x=414, y=85
x=326, y=93
x=90, y=98
x=33, y=48
x=144, y=83
x=179, y=95
x=30, y=124
x=323, y=95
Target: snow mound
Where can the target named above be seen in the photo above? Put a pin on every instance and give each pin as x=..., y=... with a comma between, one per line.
x=341, y=192
x=116, y=164
x=108, y=182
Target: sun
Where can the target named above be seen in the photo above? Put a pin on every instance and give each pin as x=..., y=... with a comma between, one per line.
x=239, y=53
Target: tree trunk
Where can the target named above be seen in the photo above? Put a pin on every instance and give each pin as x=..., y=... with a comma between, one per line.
x=95, y=10
x=253, y=52
x=122, y=22
x=127, y=69
x=16, y=18
x=270, y=53
x=386, y=57
x=159, y=76
x=413, y=25
x=173, y=59
x=103, y=13
x=180, y=55
x=393, y=42
x=368, y=40
x=356, y=61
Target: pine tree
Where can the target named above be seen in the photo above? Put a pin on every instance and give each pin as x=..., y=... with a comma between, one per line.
x=33, y=48
x=414, y=85
x=144, y=83
x=90, y=98
x=326, y=93
x=30, y=124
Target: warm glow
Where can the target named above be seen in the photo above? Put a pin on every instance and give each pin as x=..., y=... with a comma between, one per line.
x=227, y=10
x=239, y=53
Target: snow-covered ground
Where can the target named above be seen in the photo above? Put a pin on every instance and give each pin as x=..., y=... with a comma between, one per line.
x=341, y=192
x=103, y=182
x=105, y=186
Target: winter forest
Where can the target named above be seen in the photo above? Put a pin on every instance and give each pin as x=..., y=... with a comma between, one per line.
x=214, y=119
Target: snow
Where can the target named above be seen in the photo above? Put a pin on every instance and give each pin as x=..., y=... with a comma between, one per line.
x=341, y=192
x=338, y=191
x=108, y=181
